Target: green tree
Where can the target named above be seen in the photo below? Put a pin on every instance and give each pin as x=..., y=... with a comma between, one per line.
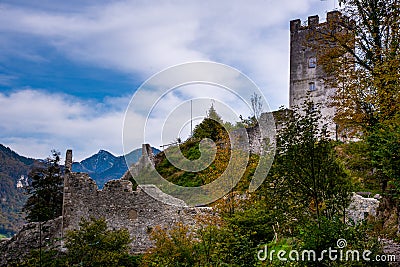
x=384, y=145
x=362, y=61
x=211, y=127
x=210, y=243
x=306, y=162
x=310, y=190
x=361, y=54
x=94, y=245
x=90, y=245
x=45, y=191
x=212, y=114
x=173, y=247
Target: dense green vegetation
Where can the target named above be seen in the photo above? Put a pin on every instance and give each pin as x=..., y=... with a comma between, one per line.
x=90, y=245
x=212, y=127
x=12, y=199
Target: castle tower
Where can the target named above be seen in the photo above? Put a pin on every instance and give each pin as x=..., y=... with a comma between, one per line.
x=306, y=75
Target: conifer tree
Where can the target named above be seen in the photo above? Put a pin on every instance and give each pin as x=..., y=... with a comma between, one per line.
x=45, y=191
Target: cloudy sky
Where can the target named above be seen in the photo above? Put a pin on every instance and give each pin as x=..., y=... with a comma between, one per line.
x=68, y=69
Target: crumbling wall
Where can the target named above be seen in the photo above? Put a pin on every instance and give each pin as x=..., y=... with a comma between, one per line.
x=257, y=143
x=117, y=202
x=121, y=206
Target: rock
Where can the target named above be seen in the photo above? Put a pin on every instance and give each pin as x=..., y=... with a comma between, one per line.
x=361, y=207
x=15, y=248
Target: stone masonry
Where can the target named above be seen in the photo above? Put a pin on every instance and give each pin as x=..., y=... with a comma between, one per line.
x=121, y=206
x=306, y=75
x=117, y=202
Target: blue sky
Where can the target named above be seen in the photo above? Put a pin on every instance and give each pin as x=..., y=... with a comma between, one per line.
x=68, y=69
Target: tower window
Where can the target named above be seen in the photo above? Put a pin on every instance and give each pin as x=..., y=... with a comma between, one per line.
x=311, y=86
x=312, y=62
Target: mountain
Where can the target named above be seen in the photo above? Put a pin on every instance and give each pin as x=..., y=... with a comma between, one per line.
x=104, y=166
x=97, y=163
x=14, y=171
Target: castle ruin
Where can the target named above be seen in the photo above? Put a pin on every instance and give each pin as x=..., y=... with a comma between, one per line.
x=118, y=203
x=121, y=206
x=135, y=210
x=306, y=75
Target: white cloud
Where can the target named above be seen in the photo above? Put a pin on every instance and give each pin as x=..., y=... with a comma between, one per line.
x=34, y=122
x=142, y=38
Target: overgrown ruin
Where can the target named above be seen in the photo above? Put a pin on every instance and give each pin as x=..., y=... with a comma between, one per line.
x=117, y=202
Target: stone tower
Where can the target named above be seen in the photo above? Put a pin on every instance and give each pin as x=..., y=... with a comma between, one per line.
x=306, y=75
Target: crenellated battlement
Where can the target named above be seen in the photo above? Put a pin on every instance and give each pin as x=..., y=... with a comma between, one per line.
x=313, y=21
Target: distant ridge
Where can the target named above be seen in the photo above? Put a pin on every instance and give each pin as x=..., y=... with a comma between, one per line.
x=14, y=170
x=104, y=166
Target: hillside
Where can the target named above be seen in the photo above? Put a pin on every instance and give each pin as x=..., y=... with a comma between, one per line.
x=13, y=167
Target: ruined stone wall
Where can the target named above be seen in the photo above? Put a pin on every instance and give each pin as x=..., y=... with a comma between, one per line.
x=257, y=143
x=121, y=206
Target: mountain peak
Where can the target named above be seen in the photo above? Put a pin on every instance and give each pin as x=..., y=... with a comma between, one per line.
x=102, y=152
x=104, y=166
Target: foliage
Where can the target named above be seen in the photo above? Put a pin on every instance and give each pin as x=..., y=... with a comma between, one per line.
x=12, y=167
x=90, y=245
x=211, y=244
x=212, y=114
x=210, y=128
x=307, y=164
x=325, y=236
x=190, y=150
x=45, y=191
x=255, y=219
x=94, y=245
x=362, y=61
x=302, y=203
x=247, y=122
x=360, y=53
x=175, y=247
x=384, y=144
x=356, y=159
x=43, y=258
